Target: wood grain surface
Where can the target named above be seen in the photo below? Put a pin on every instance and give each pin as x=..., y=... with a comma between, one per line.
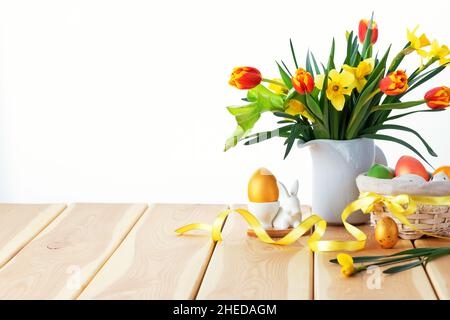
x=329, y=284
x=438, y=270
x=62, y=259
x=20, y=223
x=156, y=263
x=243, y=267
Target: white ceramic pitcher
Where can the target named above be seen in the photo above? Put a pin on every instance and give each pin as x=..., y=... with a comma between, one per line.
x=336, y=164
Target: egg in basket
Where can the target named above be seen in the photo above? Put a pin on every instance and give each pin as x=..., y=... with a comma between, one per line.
x=264, y=204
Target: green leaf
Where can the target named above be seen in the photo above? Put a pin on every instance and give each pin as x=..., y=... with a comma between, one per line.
x=349, y=48
x=314, y=108
x=361, y=259
x=401, y=128
x=399, y=141
x=293, y=53
x=265, y=99
x=263, y=136
x=367, y=40
x=403, y=267
x=424, y=78
x=316, y=67
x=359, y=114
x=233, y=140
x=287, y=69
x=308, y=64
x=355, y=57
x=412, y=112
x=331, y=57
x=380, y=67
x=286, y=79
x=285, y=121
x=398, y=105
x=398, y=59
x=291, y=139
x=261, y=100
x=285, y=115
x=413, y=251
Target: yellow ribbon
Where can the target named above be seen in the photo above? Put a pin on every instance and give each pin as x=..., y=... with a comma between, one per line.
x=400, y=206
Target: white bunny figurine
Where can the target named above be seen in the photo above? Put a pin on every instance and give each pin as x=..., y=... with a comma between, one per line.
x=290, y=213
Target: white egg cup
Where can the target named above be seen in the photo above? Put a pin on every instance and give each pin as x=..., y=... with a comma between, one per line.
x=265, y=212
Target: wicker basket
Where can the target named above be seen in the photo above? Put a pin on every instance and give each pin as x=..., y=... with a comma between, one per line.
x=428, y=218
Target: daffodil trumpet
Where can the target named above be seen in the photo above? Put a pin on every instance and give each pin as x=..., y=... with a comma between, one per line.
x=341, y=101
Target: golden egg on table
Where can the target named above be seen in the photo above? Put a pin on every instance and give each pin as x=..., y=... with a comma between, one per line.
x=386, y=233
x=262, y=187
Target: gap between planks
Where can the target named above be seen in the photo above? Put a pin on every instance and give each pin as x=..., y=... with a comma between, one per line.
x=112, y=253
x=83, y=235
x=153, y=262
x=25, y=223
x=243, y=267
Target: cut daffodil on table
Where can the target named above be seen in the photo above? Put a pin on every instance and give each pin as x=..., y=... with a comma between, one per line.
x=397, y=262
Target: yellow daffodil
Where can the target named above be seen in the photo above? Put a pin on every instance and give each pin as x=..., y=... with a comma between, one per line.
x=417, y=43
x=278, y=89
x=363, y=69
x=295, y=107
x=339, y=84
x=439, y=52
x=346, y=261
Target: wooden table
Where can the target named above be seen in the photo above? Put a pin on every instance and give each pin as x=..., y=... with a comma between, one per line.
x=130, y=251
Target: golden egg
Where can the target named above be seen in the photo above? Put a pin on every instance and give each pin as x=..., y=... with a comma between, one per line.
x=262, y=187
x=386, y=233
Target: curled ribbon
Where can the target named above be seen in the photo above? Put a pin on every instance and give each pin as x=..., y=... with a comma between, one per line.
x=400, y=206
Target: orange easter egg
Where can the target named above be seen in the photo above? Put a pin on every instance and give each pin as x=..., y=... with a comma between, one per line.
x=262, y=187
x=410, y=165
x=444, y=169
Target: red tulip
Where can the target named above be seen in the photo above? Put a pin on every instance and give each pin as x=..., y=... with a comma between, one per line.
x=245, y=78
x=394, y=83
x=363, y=26
x=303, y=81
x=438, y=98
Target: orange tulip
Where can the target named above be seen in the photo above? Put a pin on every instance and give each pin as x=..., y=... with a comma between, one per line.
x=394, y=83
x=438, y=98
x=363, y=26
x=303, y=81
x=245, y=78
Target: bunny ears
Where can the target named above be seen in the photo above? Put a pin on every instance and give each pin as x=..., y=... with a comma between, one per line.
x=294, y=189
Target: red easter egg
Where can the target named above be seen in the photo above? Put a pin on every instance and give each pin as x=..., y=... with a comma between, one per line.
x=410, y=165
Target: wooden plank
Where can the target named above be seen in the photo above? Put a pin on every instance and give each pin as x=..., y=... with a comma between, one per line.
x=438, y=270
x=330, y=284
x=20, y=223
x=63, y=258
x=243, y=267
x=156, y=263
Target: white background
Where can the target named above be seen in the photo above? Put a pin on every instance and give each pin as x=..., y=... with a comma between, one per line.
x=125, y=100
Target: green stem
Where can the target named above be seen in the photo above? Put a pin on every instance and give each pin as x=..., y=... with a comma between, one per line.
x=422, y=68
x=274, y=82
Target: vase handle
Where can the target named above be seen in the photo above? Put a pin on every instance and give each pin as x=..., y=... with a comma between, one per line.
x=380, y=157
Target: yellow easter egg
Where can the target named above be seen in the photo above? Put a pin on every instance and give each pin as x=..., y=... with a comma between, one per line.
x=262, y=187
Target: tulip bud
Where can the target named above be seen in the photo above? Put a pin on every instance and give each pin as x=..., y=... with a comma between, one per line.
x=394, y=83
x=303, y=81
x=438, y=98
x=245, y=78
x=363, y=26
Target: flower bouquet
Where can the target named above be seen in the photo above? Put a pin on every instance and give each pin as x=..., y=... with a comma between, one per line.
x=343, y=105
x=355, y=101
